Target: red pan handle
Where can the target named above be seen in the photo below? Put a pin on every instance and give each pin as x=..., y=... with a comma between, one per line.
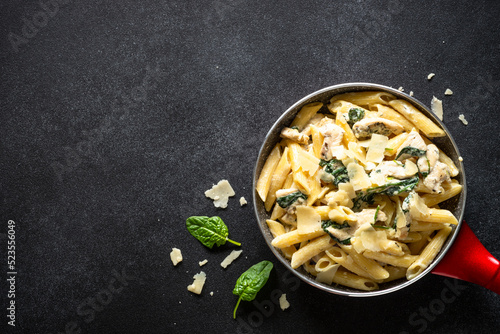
x=468, y=260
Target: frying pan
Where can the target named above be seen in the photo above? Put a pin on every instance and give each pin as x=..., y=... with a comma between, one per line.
x=462, y=256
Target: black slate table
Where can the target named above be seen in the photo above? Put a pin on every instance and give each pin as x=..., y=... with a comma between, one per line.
x=116, y=116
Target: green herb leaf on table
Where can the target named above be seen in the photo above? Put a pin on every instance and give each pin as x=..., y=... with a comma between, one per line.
x=209, y=231
x=251, y=281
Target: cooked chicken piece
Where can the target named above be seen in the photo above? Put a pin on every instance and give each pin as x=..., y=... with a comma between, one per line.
x=413, y=140
x=295, y=135
x=394, y=169
x=439, y=173
x=368, y=126
x=426, y=162
x=333, y=135
x=367, y=216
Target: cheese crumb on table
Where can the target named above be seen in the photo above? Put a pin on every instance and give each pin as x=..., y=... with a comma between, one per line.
x=429, y=77
x=437, y=107
x=211, y=293
x=401, y=89
x=448, y=92
x=243, y=201
x=230, y=258
x=220, y=193
x=284, y=304
x=462, y=118
x=199, y=281
x=411, y=93
x=202, y=263
x=460, y=159
x=175, y=256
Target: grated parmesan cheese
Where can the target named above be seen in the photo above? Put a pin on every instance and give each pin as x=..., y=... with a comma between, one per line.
x=430, y=76
x=401, y=89
x=230, y=258
x=243, y=201
x=448, y=92
x=376, y=149
x=199, y=281
x=175, y=256
x=220, y=193
x=460, y=159
x=284, y=304
x=202, y=263
x=462, y=118
x=411, y=93
x=437, y=107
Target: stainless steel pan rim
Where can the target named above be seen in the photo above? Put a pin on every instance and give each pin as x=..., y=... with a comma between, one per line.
x=447, y=144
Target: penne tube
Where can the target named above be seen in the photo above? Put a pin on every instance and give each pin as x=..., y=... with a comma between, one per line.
x=391, y=114
x=278, y=178
x=428, y=254
x=354, y=281
x=313, y=248
x=341, y=257
x=305, y=114
x=397, y=261
x=450, y=190
x=375, y=270
x=365, y=99
x=264, y=181
x=422, y=122
x=293, y=237
x=395, y=273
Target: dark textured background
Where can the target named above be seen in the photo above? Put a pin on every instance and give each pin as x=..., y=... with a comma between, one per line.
x=116, y=116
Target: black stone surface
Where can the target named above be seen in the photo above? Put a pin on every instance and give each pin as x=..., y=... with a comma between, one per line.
x=116, y=116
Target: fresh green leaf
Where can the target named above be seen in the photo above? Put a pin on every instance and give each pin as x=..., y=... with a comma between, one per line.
x=286, y=201
x=295, y=128
x=336, y=169
x=355, y=115
x=410, y=151
x=381, y=226
x=251, y=281
x=209, y=231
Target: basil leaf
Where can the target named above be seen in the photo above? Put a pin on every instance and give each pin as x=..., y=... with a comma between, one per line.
x=251, y=281
x=410, y=151
x=286, y=201
x=209, y=231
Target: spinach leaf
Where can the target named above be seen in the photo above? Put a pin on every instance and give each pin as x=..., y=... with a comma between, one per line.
x=389, y=189
x=251, y=281
x=410, y=151
x=209, y=231
x=331, y=223
x=286, y=201
x=335, y=168
x=325, y=224
x=355, y=115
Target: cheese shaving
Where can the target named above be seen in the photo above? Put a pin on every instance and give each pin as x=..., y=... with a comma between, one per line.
x=175, y=256
x=308, y=220
x=437, y=107
x=199, y=282
x=462, y=118
x=220, y=193
x=230, y=258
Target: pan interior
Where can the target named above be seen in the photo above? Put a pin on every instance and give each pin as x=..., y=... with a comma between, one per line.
x=447, y=144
